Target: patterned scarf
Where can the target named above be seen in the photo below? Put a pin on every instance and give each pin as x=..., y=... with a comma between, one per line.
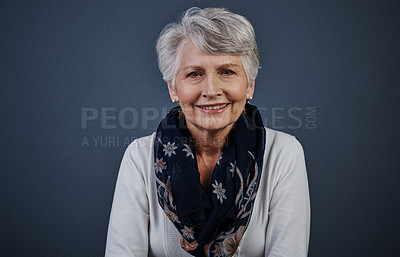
x=210, y=223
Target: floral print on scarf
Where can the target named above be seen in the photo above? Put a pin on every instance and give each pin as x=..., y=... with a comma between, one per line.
x=210, y=223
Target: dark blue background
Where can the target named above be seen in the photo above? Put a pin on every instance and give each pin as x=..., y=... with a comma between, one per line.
x=341, y=58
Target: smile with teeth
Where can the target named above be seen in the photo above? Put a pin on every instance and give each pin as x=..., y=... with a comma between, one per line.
x=214, y=107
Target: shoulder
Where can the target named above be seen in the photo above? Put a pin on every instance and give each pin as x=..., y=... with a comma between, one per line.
x=281, y=141
x=284, y=155
x=140, y=151
x=142, y=144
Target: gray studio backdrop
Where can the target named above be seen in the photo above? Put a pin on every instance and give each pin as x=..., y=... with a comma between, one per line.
x=79, y=81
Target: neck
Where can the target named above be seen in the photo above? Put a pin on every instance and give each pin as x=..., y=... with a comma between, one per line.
x=209, y=143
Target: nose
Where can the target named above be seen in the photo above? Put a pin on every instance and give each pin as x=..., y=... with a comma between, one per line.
x=211, y=87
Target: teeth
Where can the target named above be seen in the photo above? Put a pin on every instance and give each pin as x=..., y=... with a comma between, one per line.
x=215, y=107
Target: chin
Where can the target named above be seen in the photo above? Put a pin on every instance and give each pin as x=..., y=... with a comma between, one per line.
x=214, y=125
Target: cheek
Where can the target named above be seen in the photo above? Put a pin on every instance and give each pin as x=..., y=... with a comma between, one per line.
x=238, y=93
x=188, y=96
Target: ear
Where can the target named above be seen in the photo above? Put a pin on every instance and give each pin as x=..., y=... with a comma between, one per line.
x=172, y=93
x=250, y=89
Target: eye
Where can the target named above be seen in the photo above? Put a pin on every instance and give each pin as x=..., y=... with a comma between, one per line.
x=194, y=74
x=227, y=72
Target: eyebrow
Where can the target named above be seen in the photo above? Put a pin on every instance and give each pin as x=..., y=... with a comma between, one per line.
x=227, y=65
x=222, y=66
x=194, y=67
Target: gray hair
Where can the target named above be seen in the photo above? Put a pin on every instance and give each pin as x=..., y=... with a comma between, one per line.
x=213, y=31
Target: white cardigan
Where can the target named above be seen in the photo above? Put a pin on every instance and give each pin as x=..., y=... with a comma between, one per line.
x=279, y=225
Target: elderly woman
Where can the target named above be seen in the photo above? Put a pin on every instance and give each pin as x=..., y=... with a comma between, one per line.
x=212, y=181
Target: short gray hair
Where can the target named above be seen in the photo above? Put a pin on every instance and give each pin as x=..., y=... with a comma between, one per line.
x=213, y=31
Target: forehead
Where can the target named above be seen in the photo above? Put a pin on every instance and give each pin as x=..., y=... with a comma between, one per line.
x=190, y=55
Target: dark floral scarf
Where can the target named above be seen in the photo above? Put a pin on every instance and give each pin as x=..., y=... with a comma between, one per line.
x=210, y=223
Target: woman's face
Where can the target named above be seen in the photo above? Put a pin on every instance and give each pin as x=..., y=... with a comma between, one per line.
x=212, y=89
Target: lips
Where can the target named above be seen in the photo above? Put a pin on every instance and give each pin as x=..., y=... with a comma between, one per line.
x=212, y=107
